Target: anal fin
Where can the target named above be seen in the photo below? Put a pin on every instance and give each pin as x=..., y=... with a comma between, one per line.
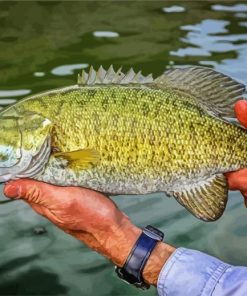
x=207, y=199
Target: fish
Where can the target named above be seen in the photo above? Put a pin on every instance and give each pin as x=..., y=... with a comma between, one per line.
x=126, y=133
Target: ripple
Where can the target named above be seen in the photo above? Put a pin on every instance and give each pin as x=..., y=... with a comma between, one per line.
x=107, y=34
x=230, y=8
x=209, y=37
x=7, y=101
x=174, y=8
x=68, y=69
x=14, y=93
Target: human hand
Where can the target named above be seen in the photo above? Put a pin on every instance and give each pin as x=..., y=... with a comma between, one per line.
x=87, y=215
x=92, y=218
x=238, y=180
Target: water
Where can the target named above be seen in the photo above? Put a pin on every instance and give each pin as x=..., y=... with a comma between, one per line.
x=42, y=46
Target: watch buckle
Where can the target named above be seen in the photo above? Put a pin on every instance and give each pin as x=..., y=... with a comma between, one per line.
x=139, y=285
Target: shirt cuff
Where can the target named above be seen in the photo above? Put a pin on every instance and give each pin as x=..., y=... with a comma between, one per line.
x=190, y=272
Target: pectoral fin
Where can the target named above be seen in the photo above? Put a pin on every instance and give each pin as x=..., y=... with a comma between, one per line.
x=80, y=159
x=206, y=200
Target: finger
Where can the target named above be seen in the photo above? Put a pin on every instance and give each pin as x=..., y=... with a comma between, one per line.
x=237, y=180
x=240, y=109
x=49, y=195
x=35, y=192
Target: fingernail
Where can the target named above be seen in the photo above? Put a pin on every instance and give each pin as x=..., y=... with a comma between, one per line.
x=12, y=191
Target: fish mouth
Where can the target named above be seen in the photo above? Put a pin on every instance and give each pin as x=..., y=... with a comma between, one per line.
x=29, y=165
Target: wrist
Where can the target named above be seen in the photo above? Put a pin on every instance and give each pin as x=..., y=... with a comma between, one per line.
x=117, y=241
x=123, y=238
x=114, y=241
x=156, y=261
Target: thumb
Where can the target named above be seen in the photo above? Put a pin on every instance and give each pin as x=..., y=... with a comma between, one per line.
x=32, y=191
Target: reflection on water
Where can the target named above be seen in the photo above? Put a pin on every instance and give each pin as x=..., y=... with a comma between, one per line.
x=14, y=93
x=174, y=8
x=149, y=36
x=68, y=69
x=39, y=74
x=230, y=8
x=210, y=36
x=105, y=34
x=7, y=101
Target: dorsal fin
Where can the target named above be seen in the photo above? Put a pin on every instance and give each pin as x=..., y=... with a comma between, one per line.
x=111, y=77
x=213, y=90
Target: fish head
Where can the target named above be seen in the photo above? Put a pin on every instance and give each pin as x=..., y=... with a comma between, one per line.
x=10, y=142
x=24, y=145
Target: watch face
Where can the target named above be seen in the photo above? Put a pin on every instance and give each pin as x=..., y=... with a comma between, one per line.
x=153, y=232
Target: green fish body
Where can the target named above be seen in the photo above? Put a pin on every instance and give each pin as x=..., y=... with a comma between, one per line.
x=128, y=134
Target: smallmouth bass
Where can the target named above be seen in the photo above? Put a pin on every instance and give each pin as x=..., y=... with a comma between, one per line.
x=129, y=134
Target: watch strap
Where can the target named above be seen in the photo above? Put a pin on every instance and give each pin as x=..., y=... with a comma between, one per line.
x=135, y=263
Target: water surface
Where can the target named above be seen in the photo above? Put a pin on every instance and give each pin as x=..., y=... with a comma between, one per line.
x=42, y=46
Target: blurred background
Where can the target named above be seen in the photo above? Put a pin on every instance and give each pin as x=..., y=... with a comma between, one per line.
x=43, y=45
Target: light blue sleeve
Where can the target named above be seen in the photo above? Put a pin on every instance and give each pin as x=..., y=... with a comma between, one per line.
x=189, y=272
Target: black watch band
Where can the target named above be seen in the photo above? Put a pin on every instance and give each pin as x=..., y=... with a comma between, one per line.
x=131, y=272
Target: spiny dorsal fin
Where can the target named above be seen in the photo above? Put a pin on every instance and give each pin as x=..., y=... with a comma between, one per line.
x=205, y=200
x=213, y=90
x=111, y=77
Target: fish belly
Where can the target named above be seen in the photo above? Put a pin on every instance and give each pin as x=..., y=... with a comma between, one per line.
x=115, y=184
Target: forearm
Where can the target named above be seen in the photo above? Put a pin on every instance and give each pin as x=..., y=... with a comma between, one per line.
x=90, y=217
x=116, y=243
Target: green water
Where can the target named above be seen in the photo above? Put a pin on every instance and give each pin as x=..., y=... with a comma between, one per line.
x=42, y=45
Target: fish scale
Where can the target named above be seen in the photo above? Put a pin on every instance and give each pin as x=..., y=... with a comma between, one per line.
x=142, y=135
x=81, y=130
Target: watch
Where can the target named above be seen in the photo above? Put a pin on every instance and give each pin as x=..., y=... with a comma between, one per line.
x=132, y=270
